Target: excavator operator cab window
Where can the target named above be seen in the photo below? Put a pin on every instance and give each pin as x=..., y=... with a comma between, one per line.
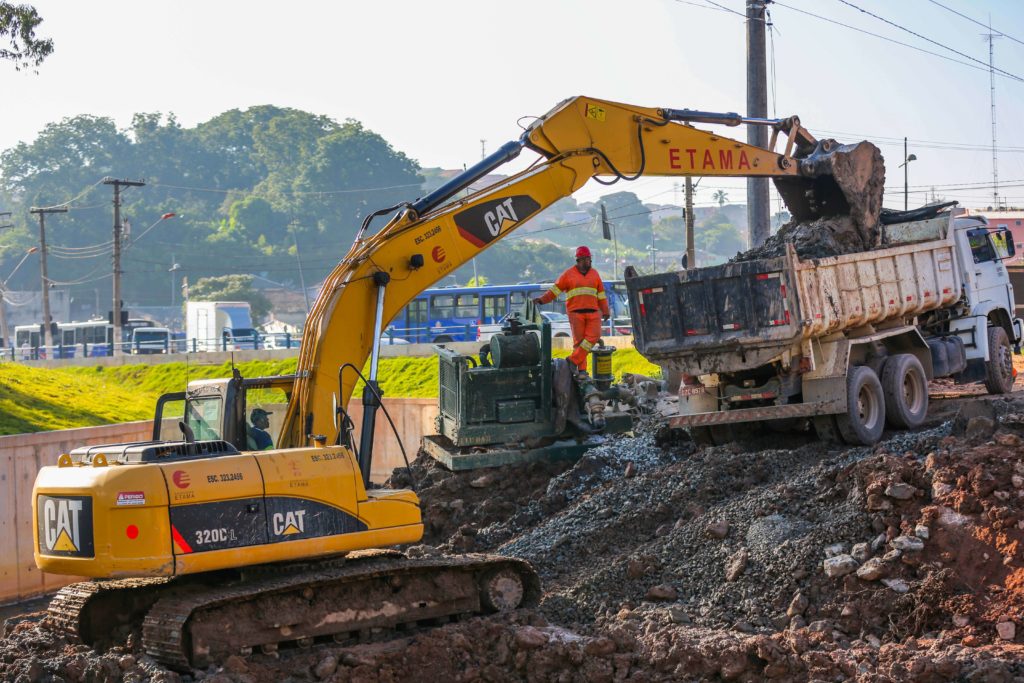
x=203, y=415
x=264, y=408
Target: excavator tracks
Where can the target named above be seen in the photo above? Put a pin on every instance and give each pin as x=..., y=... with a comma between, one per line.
x=193, y=623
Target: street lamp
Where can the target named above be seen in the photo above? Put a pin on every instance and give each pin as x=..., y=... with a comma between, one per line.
x=907, y=158
x=3, y=290
x=172, y=270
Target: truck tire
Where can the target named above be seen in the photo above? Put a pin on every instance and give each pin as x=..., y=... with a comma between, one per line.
x=999, y=366
x=864, y=419
x=905, y=387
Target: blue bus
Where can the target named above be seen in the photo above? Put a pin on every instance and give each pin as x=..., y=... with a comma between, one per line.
x=450, y=314
x=76, y=339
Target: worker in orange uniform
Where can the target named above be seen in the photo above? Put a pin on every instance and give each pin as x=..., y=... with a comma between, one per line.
x=585, y=302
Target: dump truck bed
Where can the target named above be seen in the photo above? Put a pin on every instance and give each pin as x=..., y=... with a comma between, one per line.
x=740, y=316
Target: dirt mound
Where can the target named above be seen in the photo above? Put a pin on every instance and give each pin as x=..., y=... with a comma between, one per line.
x=798, y=562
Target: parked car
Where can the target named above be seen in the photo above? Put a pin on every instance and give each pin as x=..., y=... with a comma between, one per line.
x=280, y=340
x=559, y=326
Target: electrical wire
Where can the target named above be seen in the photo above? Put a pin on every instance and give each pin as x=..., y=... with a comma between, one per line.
x=988, y=67
x=891, y=40
x=975, y=21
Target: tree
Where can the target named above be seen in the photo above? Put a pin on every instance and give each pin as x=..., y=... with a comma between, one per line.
x=721, y=197
x=18, y=24
x=231, y=288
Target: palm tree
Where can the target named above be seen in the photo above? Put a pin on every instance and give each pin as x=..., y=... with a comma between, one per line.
x=721, y=197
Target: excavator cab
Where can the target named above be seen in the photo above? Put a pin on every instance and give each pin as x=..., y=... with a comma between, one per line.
x=222, y=409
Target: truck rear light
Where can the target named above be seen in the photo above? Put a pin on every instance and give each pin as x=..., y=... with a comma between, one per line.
x=731, y=326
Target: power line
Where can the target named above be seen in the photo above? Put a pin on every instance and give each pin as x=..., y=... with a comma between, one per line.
x=974, y=21
x=886, y=38
x=989, y=67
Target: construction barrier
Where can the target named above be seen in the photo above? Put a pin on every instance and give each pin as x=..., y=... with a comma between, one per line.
x=21, y=456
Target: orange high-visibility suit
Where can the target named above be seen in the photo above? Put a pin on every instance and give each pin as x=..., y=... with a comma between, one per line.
x=586, y=303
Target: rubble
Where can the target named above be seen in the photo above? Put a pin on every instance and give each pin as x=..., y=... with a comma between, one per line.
x=946, y=607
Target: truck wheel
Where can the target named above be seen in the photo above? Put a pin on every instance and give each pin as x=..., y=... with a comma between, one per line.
x=864, y=419
x=905, y=387
x=716, y=435
x=999, y=366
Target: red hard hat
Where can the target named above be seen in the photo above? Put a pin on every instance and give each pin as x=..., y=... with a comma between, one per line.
x=582, y=252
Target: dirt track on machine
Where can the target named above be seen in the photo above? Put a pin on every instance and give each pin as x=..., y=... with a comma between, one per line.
x=663, y=561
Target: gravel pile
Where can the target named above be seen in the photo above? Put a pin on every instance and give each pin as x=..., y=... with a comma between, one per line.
x=671, y=562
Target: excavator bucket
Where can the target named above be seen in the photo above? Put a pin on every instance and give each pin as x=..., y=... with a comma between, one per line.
x=838, y=181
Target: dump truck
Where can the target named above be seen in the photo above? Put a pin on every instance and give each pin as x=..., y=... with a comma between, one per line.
x=847, y=342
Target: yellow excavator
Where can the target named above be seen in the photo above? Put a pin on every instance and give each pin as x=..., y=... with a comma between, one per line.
x=213, y=548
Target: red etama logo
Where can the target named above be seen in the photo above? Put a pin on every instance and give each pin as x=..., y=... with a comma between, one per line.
x=181, y=479
x=437, y=253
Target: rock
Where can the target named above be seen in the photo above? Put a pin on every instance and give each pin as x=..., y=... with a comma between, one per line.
x=961, y=620
x=840, y=565
x=972, y=410
x=878, y=543
x=873, y=641
x=798, y=605
x=663, y=592
x=678, y=615
x=235, y=665
x=908, y=544
x=126, y=662
x=980, y=427
x=872, y=570
x=820, y=626
x=1017, y=481
x=718, y=529
x=635, y=569
x=878, y=502
x=605, y=513
x=530, y=638
x=600, y=647
x=922, y=532
x=900, y=491
x=736, y=565
x=835, y=549
x=325, y=667
x=861, y=552
x=1009, y=440
x=892, y=555
x=630, y=470
x=940, y=489
x=484, y=481
x=897, y=585
x=1007, y=630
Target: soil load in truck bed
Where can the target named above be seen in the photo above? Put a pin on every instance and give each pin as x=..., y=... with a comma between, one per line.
x=835, y=210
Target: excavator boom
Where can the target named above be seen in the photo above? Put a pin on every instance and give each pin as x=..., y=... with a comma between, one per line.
x=580, y=139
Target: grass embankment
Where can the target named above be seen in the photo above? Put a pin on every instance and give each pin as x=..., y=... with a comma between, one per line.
x=34, y=399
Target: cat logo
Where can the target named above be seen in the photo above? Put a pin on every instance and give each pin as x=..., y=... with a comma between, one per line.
x=289, y=523
x=65, y=525
x=483, y=223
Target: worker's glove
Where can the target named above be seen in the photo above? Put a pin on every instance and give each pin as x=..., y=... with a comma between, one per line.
x=606, y=317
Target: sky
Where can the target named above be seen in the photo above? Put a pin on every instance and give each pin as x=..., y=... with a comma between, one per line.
x=437, y=78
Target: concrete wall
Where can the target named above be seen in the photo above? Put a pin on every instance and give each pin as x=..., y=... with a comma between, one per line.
x=22, y=455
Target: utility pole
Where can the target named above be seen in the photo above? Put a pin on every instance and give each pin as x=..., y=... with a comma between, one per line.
x=758, y=226
x=691, y=255
x=116, y=342
x=298, y=259
x=47, y=319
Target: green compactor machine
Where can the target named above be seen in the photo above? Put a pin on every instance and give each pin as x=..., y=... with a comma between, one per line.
x=513, y=402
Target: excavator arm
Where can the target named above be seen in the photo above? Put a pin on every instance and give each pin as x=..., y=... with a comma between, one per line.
x=580, y=139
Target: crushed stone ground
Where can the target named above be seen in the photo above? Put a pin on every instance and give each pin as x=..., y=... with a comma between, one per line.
x=662, y=561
